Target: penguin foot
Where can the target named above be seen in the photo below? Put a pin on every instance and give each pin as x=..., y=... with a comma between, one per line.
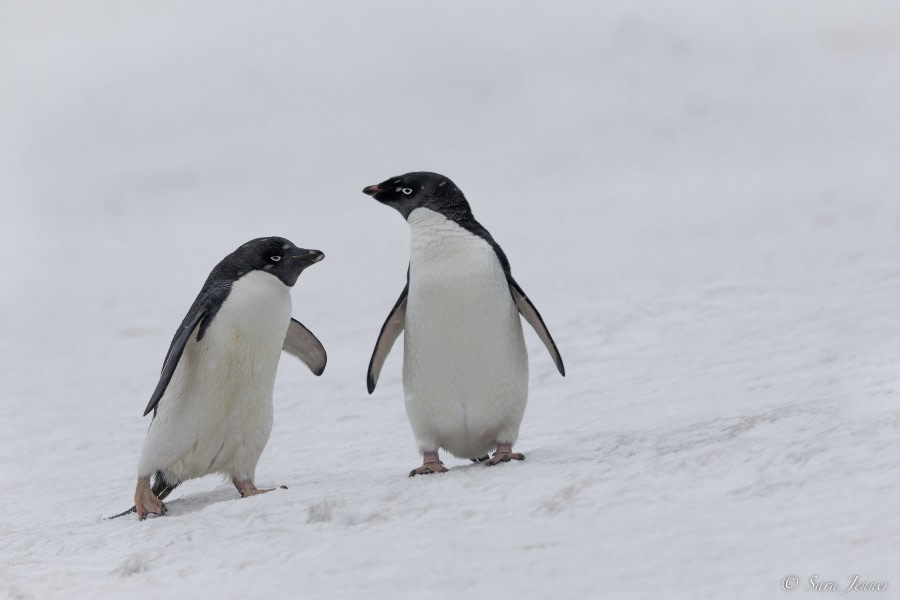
x=247, y=489
x=431, y=464
x=429, y=468
x=145, y=501
x=504, y=453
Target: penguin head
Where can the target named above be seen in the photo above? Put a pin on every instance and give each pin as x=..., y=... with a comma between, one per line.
x=420, y=189
x=274, y=255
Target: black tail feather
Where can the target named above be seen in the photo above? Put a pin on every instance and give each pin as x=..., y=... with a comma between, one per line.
x=161, y=489
x=122, y=514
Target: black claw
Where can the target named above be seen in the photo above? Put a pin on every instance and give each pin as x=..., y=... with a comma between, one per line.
x=284, y=487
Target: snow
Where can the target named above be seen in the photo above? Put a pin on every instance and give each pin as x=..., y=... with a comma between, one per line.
x=701, y=199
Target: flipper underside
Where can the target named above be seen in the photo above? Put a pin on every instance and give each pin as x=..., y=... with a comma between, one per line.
x=531, y=314
x=390, y=331
x=302, y=343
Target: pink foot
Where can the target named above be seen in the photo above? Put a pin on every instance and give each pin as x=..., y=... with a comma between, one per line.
x=504, y=453
x=431, y=463
x=247, y=489
x=145, y=501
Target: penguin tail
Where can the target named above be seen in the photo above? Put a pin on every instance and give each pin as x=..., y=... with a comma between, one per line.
x=161, y=489
x=122, y=514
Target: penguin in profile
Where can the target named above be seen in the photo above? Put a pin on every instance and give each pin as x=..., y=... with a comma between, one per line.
x=212, y=407
x=465, y=366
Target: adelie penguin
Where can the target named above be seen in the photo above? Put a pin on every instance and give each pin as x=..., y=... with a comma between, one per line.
x=465, y=367
x=212, y=407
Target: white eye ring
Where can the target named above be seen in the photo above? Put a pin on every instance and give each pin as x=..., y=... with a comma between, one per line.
x=407, y=191
x=275, y=258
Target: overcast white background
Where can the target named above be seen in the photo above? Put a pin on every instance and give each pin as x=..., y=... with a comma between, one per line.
x=701, y=198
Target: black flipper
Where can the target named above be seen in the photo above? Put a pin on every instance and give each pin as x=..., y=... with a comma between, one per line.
x=176, y=349
x=161, y=489
x=302, y=343
x=531, y=314
x=390, y=331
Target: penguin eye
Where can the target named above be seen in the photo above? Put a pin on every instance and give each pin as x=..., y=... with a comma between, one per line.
x=275, y=258
x=407, y=191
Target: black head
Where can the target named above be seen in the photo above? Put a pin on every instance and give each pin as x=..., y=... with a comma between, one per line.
x=274, y=255
x=420, y=189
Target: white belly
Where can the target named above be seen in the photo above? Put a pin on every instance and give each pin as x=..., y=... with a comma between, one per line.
x=465, y=367
x=216, y=414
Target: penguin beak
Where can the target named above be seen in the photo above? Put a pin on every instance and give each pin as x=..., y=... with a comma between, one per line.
x=372, y=190
x=309, y=257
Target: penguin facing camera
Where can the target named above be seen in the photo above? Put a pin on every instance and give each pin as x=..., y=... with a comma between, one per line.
x=465, y=366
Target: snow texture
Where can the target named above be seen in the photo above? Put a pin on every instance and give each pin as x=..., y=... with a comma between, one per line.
x=701, y=198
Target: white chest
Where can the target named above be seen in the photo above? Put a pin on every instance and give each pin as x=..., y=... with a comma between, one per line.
x=253, y=319
x=465, y=369
x=460, y=315
x=446, y=258
x=243, y=343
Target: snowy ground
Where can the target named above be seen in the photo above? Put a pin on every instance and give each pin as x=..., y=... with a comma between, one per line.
x=703, y=200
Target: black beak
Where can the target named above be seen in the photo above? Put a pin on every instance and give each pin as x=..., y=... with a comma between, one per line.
x=309, y=257
x=372, y=190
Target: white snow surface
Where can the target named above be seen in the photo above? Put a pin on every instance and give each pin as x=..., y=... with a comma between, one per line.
x=701, y=198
